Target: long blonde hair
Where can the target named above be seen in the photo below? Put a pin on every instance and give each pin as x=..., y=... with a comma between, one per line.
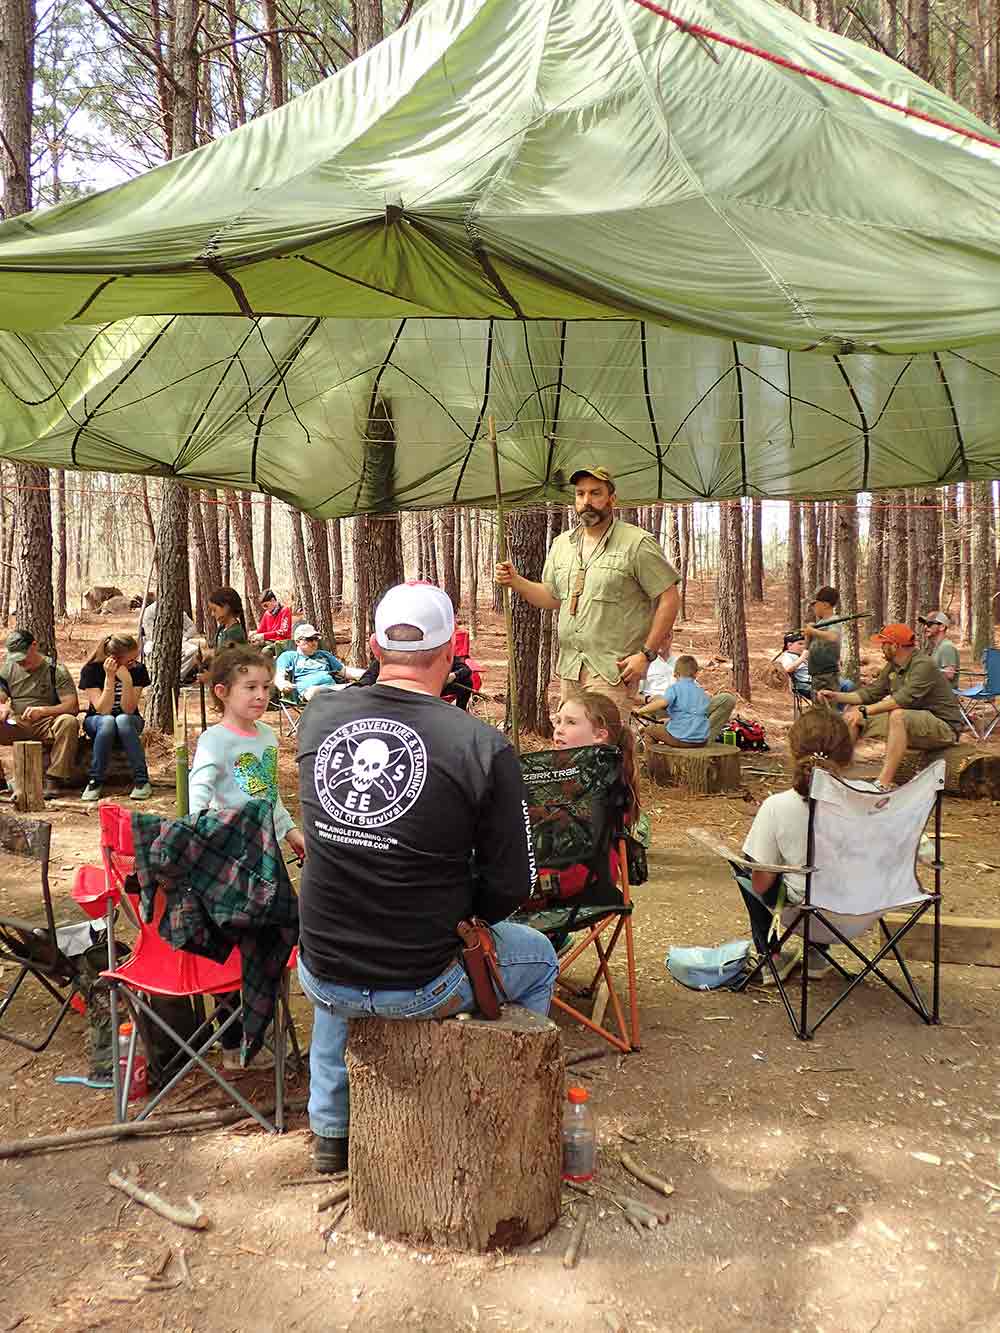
x=114, y=645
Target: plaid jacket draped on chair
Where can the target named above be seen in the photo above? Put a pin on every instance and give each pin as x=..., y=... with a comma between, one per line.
x=225, y=884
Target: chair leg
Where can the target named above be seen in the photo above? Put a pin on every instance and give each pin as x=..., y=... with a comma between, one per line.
x=64, y=1002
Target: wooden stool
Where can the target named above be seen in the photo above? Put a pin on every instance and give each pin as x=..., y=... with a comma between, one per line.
x=456, y=1129
x=703, y=771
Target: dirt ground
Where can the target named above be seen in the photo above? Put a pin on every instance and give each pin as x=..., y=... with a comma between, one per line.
x=850, y=1183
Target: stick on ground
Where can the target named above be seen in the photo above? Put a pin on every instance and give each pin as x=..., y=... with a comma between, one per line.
x=576, y=1240
x=645, y=1175
x=192, y=1216
x=342, y=1191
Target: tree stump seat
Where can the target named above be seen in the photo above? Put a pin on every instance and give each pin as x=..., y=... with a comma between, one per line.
x=704, y=771
x=119, y=771
x=456, y=1129
x=972, y=771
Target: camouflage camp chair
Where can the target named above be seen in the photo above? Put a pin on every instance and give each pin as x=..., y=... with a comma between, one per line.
x=576, y=804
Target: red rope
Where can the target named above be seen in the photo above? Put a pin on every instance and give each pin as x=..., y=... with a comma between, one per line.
x=697, y=30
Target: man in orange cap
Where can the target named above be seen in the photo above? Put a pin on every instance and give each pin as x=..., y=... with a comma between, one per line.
x=615, y=592
x=911, y=704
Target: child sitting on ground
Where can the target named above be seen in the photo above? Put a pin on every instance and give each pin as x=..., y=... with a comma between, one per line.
x=586, y=717
x=237, y=761
x=686, y=704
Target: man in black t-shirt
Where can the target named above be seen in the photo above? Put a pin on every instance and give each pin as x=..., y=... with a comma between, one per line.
x=414, y=818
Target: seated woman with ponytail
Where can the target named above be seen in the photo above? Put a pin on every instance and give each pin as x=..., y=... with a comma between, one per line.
x=779, y=836
x=113, y=681
x=586, y=717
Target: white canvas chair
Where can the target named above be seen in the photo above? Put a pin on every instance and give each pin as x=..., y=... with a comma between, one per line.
x=861, y=863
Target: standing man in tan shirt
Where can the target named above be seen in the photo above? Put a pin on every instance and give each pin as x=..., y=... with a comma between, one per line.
x=615, y=592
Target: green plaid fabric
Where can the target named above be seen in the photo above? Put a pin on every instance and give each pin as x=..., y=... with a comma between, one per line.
x=575, y=804
x=226, y=884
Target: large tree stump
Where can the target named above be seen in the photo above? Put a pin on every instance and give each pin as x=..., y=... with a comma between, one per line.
x=456, y=1129
x=970, y=770
x=28, y=770
x=703, y=772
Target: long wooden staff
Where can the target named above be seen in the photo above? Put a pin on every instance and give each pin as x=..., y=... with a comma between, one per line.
x=181, y=755
x=508, y=614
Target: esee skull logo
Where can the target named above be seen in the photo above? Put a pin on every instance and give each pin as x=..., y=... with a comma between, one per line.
x=370, y=772
x=370, y=758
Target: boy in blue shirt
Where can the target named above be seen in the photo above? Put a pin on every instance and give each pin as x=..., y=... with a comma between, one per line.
x=307, y=667
x=687, y=707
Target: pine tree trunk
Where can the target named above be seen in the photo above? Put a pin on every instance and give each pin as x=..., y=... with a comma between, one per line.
x=895, y=611
x=62, y=568
x=912, y=559
x=265, y=544
x=673, y=513
x=34, y=607
x=927, y=528
x=793, y=605
x=732, y=608
x=242, y=534
x=172, y=575
x=210, y=518
x=457, y=520
x=335, y=541
x=847, y=542
x=432, y=560
x=526, y=546
x=983, y=560
x=875, y=587
x=203, y=584
x=300, y=570
x=548, y=647
x=756, y=551
x=685, y=565
x=361, y=617
x=318, y=566
x=447, y=518
x=811, y=547
x=965, y=562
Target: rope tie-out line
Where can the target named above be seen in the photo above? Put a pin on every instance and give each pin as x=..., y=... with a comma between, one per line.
x=698, y=30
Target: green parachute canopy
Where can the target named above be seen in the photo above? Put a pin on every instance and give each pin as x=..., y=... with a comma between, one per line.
x=629, y=245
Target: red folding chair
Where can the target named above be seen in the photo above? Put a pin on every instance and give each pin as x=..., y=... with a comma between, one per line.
x=155, y=968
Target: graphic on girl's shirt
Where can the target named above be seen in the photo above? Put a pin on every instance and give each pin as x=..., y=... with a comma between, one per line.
x=258, y=777
x=370, y=772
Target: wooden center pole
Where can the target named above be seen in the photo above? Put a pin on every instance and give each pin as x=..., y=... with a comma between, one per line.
x=508, y=615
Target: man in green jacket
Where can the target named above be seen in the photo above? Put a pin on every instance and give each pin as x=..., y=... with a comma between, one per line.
x=615, y=592
x=911, y=703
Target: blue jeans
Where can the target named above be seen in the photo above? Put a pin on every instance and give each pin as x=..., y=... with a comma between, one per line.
x=107, y=731
x=528, y=966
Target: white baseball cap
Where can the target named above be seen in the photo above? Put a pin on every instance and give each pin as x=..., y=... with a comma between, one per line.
x=305, y=632
x=422, y=605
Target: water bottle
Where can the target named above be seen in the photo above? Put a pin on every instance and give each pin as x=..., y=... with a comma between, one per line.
x=138, y=1088
x=579, y=1136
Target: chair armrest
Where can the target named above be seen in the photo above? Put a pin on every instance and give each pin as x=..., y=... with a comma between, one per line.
x=708, y=840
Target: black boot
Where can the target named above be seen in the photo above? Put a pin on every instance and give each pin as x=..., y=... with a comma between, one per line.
x=329, y=1155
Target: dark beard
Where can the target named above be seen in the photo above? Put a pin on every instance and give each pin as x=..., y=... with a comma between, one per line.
x=590, y=518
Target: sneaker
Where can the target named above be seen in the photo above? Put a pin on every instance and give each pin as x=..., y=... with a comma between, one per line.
x=785, y=964
x=142, y=791
x=329, y=1155
x=262, y=1060
x=819, y=964
x=92, y=792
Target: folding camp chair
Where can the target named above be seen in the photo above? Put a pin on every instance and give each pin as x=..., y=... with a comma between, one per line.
x=576, y=803
x=157, y=969
x=983, y=697
x=49, y=953
x=861, y=862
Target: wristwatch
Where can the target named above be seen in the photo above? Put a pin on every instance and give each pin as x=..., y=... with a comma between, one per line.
x=649, y=654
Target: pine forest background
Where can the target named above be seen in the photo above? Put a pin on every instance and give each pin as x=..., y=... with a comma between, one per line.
x=94, y=92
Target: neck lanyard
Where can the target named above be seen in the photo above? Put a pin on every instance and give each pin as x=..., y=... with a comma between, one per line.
x=582, y=567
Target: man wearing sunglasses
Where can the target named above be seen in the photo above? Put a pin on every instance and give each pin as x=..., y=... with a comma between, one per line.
x=614, y=589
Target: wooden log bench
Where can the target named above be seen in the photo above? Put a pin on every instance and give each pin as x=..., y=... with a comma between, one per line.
x=965, y=940
x=972, y=771
x=704, y=771
x=456, y=1129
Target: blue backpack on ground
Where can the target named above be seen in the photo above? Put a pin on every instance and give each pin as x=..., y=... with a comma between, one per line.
x=709, y=969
